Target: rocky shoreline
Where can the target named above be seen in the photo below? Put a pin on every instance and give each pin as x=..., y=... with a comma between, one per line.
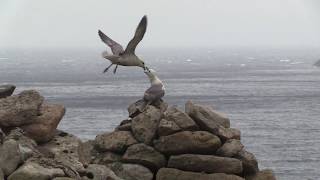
x=160, y=143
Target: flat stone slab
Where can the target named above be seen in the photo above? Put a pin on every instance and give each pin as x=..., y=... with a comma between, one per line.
x=144, y=155
x=198, y=142
x=117, y=141
x=206, y=163
x=181, y=119
x=230, y=148
x=175, y=174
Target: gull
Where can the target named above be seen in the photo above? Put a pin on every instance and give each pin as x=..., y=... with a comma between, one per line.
x=125, y=57
x=156, y=90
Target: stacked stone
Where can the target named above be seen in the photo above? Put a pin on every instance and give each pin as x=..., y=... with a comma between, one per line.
x=28, y=111
x=169, y=144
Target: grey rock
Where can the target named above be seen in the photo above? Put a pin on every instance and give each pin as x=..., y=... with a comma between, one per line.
x=6, y=90
x=101, y=172
x=228, y=133
x=86, y=152
x=2, y=135
x=1, y=175
x=117, y=141
x=63, y=178
x=144, y=126
x=144, y=155
x=125, y=125
x=206, y=163
x=64, y=148
x=230, y=148
x=249, y=162
x=181, y=119
x=167, y=127
x=44, y=126
x=266, y=174
x=198, y=142
x=10, y=156
x=32, y=170
x=136, y=108
x=131, y=171
x=20, y=109
x=106, y=158
x=175, y=174
x=206, y=117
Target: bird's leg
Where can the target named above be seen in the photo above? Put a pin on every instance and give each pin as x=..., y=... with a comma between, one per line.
x=115, y=69
x=105, y=70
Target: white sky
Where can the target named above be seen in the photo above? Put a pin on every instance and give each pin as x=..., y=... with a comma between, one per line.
x=172, y=23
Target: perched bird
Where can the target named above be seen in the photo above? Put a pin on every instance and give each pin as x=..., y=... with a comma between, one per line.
x=157, y=89
x=125, y=57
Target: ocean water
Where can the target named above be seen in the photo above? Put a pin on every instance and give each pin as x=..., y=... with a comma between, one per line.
x=271, y=95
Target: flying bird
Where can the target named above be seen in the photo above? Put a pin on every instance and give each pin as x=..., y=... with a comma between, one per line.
x=125, y=57
x=156, y=90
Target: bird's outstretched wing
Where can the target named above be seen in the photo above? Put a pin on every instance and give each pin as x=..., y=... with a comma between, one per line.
x=116, y=48
x=140, y=31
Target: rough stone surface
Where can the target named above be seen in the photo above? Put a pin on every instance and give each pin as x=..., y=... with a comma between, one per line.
x=198, y=142
x=181, y=119
x=10, y=156
x=175, y=174
x=20, y=109
x=6, y=90
x=86, y=152
x=131, y=171
x=1, y=175
x=262, y=175
x=144, y=155
x=101, y=172
x=117, y=141
x=167, y=127
x=136, y=108
x=206, y=163
x=228, y=133
x=230, y=148
x=205, y=116
x=64, y=148
x=31, y=170
x=124, y=127
x=144, y=126
x=44, y=126
x=2, y=135
x=107, y=158
x=63, y=178
x=249, y=162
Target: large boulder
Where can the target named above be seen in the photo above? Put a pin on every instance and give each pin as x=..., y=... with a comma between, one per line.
x=100, y=172
x=206, y=163
x=32, y=170
x=249, y=162
x=144, y=126
x=131, y=171
x=44, y=126
x=10, y=156
x=181, y=119
x=175, y=174
x=125, y=125
x=6, y=90
x=230, y=148
x=64, y=148
x=167, y=127
x=117, y=141
x=206, y=117
x=20, y=109
x=136, y=108
x=198, y=142
x=262, y=175
x=86, y=152
x=144, y=155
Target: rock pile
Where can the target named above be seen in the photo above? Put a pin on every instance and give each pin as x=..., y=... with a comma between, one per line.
x=159, y=143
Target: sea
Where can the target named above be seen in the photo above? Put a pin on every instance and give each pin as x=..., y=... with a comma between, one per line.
x=272, y=95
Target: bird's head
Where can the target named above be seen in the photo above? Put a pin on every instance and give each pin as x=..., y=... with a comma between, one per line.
x=150, y=73
x=142, y=64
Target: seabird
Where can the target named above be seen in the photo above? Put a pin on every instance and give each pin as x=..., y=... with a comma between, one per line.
x=156, y=91
x=125, y=57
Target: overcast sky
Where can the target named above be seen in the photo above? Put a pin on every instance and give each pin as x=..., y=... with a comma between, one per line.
x=172, y=23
